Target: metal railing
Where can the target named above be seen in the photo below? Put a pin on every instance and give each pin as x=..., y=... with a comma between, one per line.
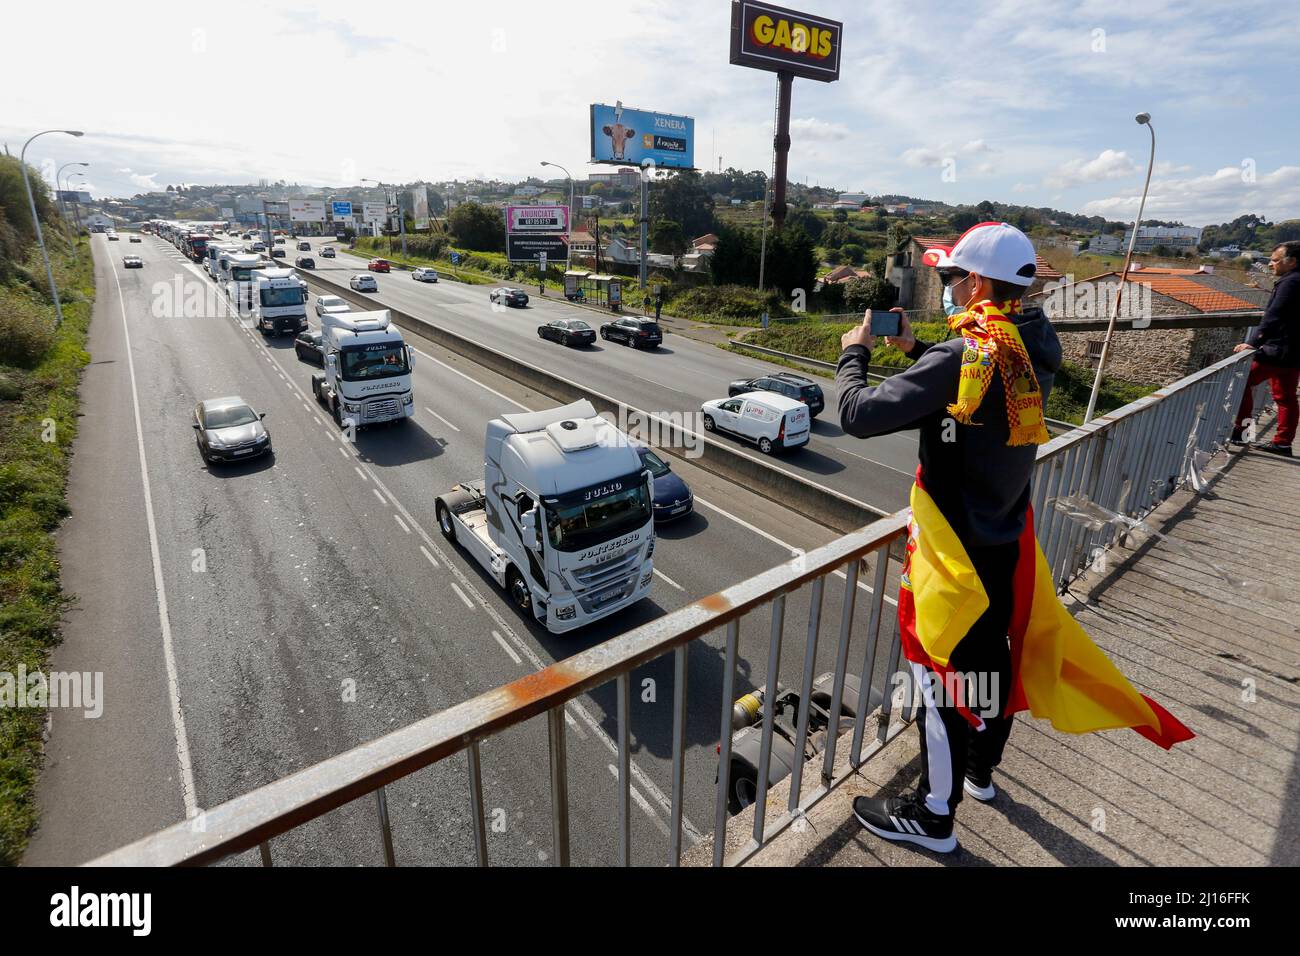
x=1127, y=462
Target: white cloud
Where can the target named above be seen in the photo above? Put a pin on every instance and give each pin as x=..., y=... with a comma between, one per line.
x=1220, y=196
x=1109, y=164
x=815, y=129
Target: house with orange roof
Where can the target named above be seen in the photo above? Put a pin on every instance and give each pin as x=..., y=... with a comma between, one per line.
x=918, y=285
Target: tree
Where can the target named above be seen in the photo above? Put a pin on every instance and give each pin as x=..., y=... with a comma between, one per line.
x=833, y=256
x=837, y=234
x=808, y=221
x=962, y=220
x=477, y=227
x=854, y=253
x=840, y=215
x=667, y=237
x=869, y=292
x=682, y=198
x=791, y=259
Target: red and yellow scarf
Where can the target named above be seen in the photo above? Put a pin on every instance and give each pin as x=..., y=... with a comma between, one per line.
x=993, y=341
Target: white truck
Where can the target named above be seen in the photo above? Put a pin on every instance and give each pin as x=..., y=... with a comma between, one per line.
x=367, y=369
x=279, y=301
x=563, y=519
x=216, y=251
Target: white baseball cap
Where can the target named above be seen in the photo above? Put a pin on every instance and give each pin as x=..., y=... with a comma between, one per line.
x=995, y=250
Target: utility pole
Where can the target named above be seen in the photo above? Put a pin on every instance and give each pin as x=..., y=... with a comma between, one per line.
x=645, y=223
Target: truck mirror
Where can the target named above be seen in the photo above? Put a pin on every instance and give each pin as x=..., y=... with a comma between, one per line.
x=330, y=360
x=410, y=357
x=529, y=523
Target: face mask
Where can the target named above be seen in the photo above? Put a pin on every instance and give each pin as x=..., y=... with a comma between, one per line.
x=949, y=306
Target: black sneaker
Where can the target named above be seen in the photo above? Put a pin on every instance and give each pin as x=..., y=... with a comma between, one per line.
x=980, y=787
x=905, y=819
x=1273, y=448
x=1236, y=438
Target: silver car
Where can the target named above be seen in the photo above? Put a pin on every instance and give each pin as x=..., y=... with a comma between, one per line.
x=228, y=429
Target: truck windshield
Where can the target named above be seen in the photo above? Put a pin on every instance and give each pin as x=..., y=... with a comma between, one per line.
x=576, y=521
x=243, y=273
x=286, y=295
x=385, y=360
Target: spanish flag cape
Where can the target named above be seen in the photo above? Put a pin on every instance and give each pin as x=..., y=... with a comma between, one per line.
x=1057, y=672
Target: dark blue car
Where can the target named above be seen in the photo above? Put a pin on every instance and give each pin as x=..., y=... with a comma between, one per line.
x=673, y=499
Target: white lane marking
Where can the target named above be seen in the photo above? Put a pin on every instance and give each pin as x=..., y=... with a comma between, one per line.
x=641, y=802
x=657, y=384
x=160, y=591
x=441, y=419
x=360, y=473
x=343, y=452
x=794, y=552
x=909, y=474
x=669, y=580
x=401, y=524
x=432, y=559
x=500, y=640
x=693, y=834
x=568, y=719
x=378, y=495
x=467, y=378
x=461, y=594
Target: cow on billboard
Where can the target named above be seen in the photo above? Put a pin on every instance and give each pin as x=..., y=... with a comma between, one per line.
x=618, y=135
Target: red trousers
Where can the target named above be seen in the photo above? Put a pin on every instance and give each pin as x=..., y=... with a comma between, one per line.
x=1283, y=382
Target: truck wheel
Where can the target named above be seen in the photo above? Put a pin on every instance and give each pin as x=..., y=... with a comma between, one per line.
x=518, y=591
x=765, y=446
x=445, y=524
x=743, y=790
x=336, y=411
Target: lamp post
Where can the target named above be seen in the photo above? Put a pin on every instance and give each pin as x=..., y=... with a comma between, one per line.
x=568, y=246
x=401, y=216
x=76, y=206
x=62, y=206
x=1145, y=120
x=36, y=220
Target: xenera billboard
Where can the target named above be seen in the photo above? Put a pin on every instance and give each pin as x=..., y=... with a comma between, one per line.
x=785, y=41
x=307, y=210
x=537, y=219
x=631, y=137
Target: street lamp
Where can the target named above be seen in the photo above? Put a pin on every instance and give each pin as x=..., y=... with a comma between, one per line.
x=36, y=220
x=76, y=206
x=62, y=207
x=1145, y=120
x=401, y=216
x=568, y=246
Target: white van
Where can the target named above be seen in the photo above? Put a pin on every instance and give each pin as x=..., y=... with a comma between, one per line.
x=769, y=420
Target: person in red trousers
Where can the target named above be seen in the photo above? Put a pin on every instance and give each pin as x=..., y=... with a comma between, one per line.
x=1276, y=341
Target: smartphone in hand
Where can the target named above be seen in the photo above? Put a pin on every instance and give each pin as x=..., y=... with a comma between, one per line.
x=886, y=323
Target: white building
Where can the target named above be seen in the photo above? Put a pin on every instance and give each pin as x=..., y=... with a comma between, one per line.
x=1177, y=238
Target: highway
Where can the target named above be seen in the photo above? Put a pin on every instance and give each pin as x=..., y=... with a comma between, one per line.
x=264, y=616
x=675, y=378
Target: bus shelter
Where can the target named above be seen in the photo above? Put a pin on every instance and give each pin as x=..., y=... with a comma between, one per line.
x=593, y=288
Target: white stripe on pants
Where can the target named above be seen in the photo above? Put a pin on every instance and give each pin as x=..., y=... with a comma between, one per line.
x=938, y=749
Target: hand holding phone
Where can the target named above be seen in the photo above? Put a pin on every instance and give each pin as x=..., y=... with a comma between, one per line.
x=886, y=323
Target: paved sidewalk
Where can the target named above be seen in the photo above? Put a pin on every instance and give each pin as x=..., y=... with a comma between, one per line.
x=1222, y=657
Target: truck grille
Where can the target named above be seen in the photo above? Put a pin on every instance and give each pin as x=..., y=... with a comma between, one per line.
x=381, y=408
x=599, y=574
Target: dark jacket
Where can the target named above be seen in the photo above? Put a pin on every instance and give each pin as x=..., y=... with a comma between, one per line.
x=979, y=483
x=1277, y=337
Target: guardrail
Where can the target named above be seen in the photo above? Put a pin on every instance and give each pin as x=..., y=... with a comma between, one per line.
x=1127, y=462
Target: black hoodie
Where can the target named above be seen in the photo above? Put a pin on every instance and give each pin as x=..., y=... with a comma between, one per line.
x=979, y=483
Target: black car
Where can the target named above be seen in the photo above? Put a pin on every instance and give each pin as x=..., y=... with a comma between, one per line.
x=310, y=347
x=568, y=332
x=227, y=429
x=638, y=333
x=277, y=252
x=673, y=499
x=784, y=383
x=305, y=262
x=508, y=296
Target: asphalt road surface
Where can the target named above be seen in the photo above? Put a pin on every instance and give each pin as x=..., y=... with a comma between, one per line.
x=251, y=620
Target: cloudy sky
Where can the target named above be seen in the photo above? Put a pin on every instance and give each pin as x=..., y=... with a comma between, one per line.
x=1020, y=102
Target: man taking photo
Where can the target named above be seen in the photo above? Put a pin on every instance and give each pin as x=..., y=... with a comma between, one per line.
x=980, y=623
x=1276, y=341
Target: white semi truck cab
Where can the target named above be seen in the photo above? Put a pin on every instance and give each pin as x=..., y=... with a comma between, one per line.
x=280, y=301
x=563, y=519
x=367, y=376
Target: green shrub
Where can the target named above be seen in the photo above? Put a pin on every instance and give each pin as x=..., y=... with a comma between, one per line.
x=25, y=330
x=727, y=303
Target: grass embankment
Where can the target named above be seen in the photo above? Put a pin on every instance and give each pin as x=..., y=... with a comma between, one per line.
x=40, y=370
x=1068, y=401
x=476, y=268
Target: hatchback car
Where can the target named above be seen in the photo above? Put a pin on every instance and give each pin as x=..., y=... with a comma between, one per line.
x=784, y=383
x=304, y=246
x=568, y=332
x=363, y=283
x=638, y=333
x=673, y=499
x=517, y=298
x=424, y=275
x=228, y=429
x=327, y=252
x=379, y=265
x=305, y=262
x=113, y=237
x=134, y=239
x=332, y=303
x=310, y=347
x=279, y=240
x=277, y=253
x=132, y=262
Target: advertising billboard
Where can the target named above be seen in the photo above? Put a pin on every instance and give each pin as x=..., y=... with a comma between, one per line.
x=341, y=209
x=631, y=137
x=374, y=211
x=523, y=247
x=768, y=37
x=415, y=203
x=307, y=210
x=537, y=219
